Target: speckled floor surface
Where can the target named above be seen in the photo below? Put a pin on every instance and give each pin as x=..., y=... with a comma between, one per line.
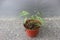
x=14, y=30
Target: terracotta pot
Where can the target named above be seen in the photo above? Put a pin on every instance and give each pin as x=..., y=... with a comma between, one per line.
x=32, y=33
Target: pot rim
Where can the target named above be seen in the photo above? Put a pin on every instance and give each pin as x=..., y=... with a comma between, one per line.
x=33, y=29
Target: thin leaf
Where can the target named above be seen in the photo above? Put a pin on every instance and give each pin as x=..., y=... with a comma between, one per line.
x=24, y=13
x=32, y=17
x=25, y=19
x=42, y=20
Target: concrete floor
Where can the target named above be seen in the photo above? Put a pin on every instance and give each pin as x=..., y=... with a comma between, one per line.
x=13, y=30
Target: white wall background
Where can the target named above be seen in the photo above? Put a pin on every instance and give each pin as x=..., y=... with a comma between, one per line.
x=11, y=8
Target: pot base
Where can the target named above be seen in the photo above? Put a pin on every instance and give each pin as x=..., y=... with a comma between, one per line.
x=32, y=33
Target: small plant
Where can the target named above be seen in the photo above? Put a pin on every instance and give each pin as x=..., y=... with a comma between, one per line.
x=33, y=22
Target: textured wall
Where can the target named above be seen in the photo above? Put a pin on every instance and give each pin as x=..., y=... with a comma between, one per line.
x=11, y=8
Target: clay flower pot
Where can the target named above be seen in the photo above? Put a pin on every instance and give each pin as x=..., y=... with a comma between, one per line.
x=32, y=33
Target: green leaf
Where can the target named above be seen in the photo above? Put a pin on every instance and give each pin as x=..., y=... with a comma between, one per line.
x=38, y=13
x=32, y=17
x=25, y=19
x=24, y=13
x=42, y=20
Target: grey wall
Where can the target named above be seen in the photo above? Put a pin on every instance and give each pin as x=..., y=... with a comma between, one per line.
x=50, y=8
x=11, y=8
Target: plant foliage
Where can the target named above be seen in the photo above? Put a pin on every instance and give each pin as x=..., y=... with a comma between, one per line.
x=32, y=24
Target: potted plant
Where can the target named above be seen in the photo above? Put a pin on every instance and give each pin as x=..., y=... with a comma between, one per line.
x=32, y=24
